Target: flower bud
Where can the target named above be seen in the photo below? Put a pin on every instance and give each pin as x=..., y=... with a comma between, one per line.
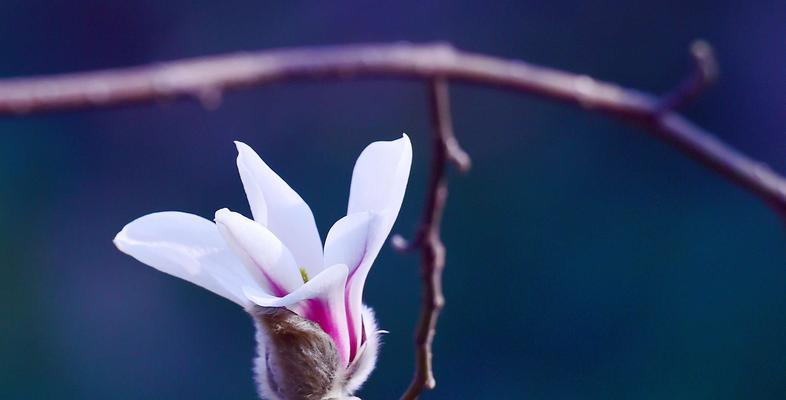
x=296, y=359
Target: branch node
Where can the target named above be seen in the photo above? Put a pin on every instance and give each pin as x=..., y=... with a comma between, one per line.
x=457, y=156
x=210, y=98
x=705, y=62
x=704, y=73
x=441, y=115
x=402, y=245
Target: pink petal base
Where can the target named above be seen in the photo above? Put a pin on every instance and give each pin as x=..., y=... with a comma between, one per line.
x=317, y=311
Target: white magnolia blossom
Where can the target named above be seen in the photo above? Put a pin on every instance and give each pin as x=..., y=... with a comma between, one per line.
x=276, y=268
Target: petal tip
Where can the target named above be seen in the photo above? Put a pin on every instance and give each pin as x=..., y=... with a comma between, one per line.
x=258, y=297
x=407, y=141
x=120, y=239
x=244, y=151
x=404, y=143
x=222, y=215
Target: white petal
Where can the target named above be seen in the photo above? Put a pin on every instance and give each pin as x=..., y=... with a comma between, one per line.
x=324, y=304
x=253, y=188
x=188, y=247
x=259, y=249
x=275, y=205
x=348, y=240
x=380, y=177
x=379, y=181
x=355, y=240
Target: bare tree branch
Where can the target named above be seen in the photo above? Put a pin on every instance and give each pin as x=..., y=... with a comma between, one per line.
x=445, y=148
x=210, y=76
x=207, y=78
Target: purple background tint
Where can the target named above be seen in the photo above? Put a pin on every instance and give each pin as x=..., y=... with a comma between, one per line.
x=586, y=260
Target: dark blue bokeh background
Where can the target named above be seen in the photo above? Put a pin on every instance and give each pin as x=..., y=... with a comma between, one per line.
x=586, y=260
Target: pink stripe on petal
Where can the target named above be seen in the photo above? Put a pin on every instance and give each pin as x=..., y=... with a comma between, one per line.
x=320, y=300
x=318, y=312
x=353, y=340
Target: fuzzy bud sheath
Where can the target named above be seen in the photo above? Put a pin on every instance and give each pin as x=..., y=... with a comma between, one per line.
x=297, y=360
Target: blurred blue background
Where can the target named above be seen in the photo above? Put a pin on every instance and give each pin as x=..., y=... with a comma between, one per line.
x=586, y=260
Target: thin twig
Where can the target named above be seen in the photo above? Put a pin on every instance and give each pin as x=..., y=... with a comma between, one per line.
x=208, y=77
x=445, y=148
x=705, y=72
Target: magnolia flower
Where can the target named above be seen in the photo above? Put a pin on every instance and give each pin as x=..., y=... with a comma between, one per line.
x=316, y=338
